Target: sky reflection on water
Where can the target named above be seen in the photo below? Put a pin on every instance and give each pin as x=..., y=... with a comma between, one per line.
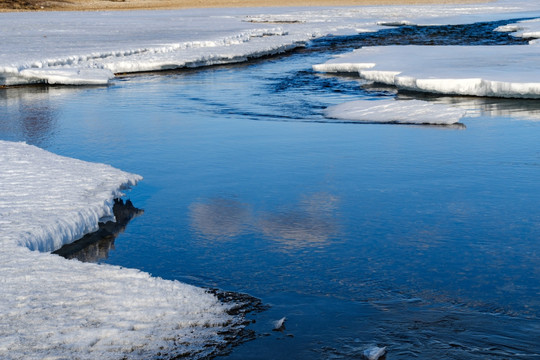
x=310, y=222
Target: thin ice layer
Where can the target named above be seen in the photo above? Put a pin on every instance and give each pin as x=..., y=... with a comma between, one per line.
x=395, y=111
x=497, y=71
x=53, y=308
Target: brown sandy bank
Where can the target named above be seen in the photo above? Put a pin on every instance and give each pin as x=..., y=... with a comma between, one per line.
x=90, y=5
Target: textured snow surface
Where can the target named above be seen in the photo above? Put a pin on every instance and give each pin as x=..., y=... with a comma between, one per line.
x=88, y=47
x=48, y=200
x=53, y=308
x=394, y=111
x=498, y=71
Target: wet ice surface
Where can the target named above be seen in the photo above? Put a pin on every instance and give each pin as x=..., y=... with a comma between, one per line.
x=395, y=112
x=422, y=240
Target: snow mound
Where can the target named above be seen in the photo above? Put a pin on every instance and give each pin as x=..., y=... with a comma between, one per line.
x=398, y=112
x=495, y=71
x=53, y=308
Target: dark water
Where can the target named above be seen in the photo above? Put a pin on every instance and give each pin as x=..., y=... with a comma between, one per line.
x=421, y=239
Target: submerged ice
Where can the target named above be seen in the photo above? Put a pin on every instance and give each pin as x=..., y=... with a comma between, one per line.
x=395, y=111
x=56, y=308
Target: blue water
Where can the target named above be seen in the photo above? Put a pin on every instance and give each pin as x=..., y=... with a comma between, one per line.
x=421, y=239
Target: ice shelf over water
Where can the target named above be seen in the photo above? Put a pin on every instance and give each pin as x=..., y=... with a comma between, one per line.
x=53, y=308
x=394, y=111
x=528, y=29
x=78, y=48
x=498, y=71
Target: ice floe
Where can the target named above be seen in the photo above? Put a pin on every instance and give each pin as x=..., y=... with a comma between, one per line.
x=498, y=71
x=396, y=111
x=53, y=308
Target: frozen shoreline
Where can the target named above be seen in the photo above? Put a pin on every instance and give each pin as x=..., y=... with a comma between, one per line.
x=86, y=5
x=48, y=47
x=57, y=308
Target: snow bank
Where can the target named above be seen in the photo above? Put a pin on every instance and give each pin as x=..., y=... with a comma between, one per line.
x=53, y=308
x=398, y=112
x=88, y=47
x=498, y=71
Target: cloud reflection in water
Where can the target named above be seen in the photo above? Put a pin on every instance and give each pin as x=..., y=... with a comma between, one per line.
x=220, y=218
x=310, y=222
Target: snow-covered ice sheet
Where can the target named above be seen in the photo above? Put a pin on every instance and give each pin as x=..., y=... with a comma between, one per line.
x=395, y=111
x=498, y=71
x=53, y=308
x=87, y=47
x=529, y=29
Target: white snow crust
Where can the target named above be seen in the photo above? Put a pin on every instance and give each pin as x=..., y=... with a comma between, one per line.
x=53, y=308
x=498, y=71
x=395, y=111
x=79, y=48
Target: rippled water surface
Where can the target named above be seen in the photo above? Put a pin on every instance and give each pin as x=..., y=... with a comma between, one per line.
x=421, y=239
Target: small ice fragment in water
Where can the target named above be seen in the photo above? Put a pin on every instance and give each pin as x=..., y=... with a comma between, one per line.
x=374, y=353
x=279, y=325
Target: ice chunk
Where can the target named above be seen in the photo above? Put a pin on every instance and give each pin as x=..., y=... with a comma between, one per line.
x=396, y=111
x=374, y=353
x=63, y=309
x=279, y=325
x=497, y=71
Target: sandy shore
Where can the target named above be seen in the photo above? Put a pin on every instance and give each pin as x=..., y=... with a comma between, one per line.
x=93, y=5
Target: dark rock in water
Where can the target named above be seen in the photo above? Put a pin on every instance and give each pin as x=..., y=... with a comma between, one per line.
x=243, y=304
x=95, y=246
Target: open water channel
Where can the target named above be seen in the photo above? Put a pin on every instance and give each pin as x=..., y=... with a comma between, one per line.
x=423, y=239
